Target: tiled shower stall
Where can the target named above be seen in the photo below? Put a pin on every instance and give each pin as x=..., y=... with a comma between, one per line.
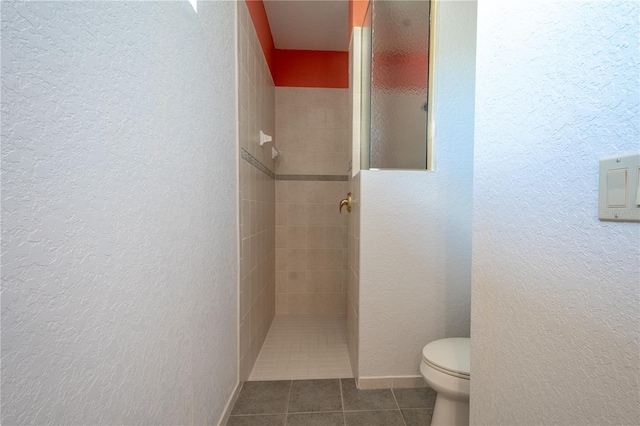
x=294, y=255
x=257, y=194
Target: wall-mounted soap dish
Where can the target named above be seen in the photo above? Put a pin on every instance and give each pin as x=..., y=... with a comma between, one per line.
x=264, y=138
x=275, y=152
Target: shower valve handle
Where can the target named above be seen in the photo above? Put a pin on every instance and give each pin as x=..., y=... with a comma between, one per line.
x=346, y=202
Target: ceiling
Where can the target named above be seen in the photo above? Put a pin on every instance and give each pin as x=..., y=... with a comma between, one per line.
x=309, y=24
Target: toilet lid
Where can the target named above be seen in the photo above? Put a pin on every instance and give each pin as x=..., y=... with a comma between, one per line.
x=451, y=354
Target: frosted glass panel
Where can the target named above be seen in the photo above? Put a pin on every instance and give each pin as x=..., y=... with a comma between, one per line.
x=399, y=74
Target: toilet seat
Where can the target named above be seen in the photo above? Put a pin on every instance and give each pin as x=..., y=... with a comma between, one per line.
x=449, y=356
x=448, y=372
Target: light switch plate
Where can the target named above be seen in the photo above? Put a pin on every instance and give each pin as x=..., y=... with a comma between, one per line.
x=619, y=192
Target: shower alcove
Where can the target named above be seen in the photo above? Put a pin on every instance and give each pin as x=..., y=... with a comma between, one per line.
x=299, y=265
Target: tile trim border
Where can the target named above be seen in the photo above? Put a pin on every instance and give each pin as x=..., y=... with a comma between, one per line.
x=246, y=156
x=324, y=178
x=391, y=382
x=256, y=163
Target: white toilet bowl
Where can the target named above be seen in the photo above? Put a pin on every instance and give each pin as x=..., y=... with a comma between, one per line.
x=445, y=367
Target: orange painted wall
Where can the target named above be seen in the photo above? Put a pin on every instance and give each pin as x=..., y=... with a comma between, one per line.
x=301, y=68
x=312, y=68
x=261, y=24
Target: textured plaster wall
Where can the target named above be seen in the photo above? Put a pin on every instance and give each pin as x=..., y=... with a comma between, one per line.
x=119, y=212
x=556, y=292
x=415, y=226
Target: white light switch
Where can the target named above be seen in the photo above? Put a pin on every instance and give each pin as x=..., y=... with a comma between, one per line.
x=617, y=188
x=619, y=191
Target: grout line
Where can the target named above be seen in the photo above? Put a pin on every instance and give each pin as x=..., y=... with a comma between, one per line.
x=286, y=410
x=384, y=409
x=344, y=417
x=256, y=415
x=398, y=405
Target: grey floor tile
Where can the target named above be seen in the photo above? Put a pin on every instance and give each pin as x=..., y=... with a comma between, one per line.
x=374, y=418
x=315, y=395
x=419, y=417
x=415, y=397
x=259, y=420
x=263, y=398
x=375, y=399
x=316, y=419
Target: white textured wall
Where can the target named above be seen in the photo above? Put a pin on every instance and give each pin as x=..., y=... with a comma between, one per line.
x=556, y=292
x=119, y=217
x=415, y=235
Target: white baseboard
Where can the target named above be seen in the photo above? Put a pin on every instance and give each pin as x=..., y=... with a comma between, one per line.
x=232, y=401
x=391, y=382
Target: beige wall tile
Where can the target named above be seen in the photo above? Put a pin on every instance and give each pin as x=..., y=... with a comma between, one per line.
x=281, y=95
x=334, y=192
x=315, y=282
x=297, y=282
x=345, y=259
x=281, y=214
x=316, y=117
x=315, y=237
x=334, y=140
x=281, y=192
x=315, y=278
x=333, y=282
x=333, y=216
x=298, y=117
x=281, y=259
x=316, y=303
x=333, y=259
x=297, y=192
x=313, y=142
x=297, y=237
x=311, y=129
x=315, y=192
x=315, y=215
x=282, y=304
x=335, y=237
x=281, y=236
x=298, y=96
x=336, y=163
x=281, y=282
x=335, y=303
x=297, y=215
x=297, y=303
x=315, y=260
x=297, y=259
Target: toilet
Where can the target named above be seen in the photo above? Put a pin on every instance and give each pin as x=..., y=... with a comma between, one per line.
x=445, y=367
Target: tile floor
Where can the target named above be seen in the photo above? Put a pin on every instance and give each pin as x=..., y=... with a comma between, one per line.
x=330, y=402
x=304, y=347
